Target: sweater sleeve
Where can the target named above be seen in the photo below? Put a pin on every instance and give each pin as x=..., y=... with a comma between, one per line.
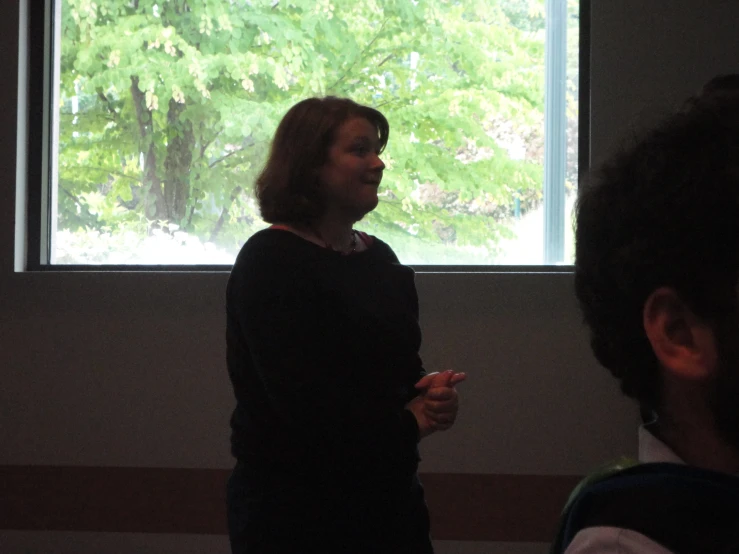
x=281, y=316
x=413, y=295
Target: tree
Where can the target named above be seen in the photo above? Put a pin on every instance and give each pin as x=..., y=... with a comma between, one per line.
x=168, y=108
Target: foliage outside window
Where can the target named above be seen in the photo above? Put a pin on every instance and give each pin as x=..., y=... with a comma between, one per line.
x=166, y=109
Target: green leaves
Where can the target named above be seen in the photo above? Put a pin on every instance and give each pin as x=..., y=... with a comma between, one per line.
x=175, y=102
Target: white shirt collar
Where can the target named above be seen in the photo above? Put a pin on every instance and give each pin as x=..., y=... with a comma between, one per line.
x=651, y=449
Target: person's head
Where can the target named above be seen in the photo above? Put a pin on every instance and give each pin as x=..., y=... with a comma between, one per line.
x=324, y=162
x=657, y=257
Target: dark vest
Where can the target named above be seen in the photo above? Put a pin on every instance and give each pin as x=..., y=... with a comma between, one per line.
x=685, y=509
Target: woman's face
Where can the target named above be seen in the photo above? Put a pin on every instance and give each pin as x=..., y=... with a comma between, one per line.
x=351, y=176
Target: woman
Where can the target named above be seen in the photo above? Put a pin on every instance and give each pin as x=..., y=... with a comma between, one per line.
x=323, y=341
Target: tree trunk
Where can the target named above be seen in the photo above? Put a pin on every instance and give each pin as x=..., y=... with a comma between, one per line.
x=180, y=142
x=154, y=204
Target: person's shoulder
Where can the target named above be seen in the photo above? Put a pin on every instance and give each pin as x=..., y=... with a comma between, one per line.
x=267, y=252
x=269, y=244
x=264, y=239
x=613, y=540
x=683, y=502
x=381, y=248
x=268, y=261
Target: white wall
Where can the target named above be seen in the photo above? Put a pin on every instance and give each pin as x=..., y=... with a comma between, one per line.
x=128, y=369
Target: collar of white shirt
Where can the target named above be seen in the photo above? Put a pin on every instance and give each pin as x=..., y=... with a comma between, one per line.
x=651, y=449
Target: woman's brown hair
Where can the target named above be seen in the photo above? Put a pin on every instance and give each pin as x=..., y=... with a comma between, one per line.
x=287, y=189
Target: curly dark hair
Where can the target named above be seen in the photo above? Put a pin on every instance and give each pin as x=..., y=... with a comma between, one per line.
x=661, y=212
x=287, y=189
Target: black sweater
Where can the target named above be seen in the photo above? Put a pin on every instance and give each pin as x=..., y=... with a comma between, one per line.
x=323, y=356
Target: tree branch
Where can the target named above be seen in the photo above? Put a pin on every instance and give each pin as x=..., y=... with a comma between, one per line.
x=188, y=225
x=79, y=204
x=222, y=219
x=205, y=146
x=389, y=56
x=219, y=160
x=108, y=104
x=386, y=102
x=143, y=116
x=360, y=57
x=109, y=172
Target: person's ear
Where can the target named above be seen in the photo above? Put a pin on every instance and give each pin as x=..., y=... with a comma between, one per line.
x=684, y=343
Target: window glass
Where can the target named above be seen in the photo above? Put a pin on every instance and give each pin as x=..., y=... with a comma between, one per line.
x=165, y=110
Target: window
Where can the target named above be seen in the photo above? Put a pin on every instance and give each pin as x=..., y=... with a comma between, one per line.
x=159, y=113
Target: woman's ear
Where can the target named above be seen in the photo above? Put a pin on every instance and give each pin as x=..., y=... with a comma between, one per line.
x=684, y=343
